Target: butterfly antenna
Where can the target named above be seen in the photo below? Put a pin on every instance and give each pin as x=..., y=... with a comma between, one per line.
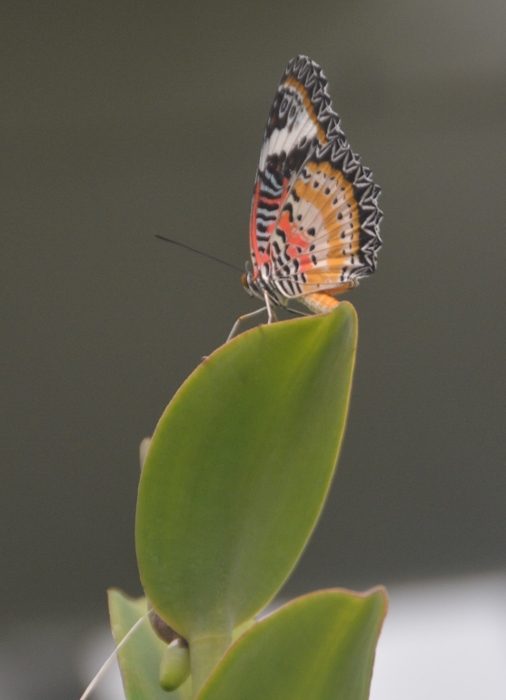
x=194, y=250
x=107, y=663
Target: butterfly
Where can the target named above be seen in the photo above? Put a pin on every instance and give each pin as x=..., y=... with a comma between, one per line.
x=314, y=228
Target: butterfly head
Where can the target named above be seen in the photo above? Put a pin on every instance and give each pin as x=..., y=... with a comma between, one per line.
x=258, y=284
x=246, y=282
x=253, y=284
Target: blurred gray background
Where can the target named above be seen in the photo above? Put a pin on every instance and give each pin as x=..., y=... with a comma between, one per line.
x=125, y=119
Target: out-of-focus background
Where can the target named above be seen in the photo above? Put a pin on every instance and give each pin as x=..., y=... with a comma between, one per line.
x=121, y=120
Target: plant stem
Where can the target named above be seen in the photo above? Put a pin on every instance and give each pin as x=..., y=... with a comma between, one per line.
x=205, y=652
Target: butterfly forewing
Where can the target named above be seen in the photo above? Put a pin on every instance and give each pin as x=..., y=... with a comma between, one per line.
x=291, y=134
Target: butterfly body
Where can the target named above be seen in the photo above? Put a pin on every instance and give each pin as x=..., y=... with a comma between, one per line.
x=314, y=228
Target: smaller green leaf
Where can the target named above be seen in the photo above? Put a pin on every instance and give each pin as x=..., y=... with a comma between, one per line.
x=140, y=657
x=318, y=647
x=175, y=665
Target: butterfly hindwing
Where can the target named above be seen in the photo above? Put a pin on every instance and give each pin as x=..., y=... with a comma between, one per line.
x=327, y=230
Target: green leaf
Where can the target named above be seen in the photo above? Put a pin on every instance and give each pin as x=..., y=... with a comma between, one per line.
x=238, y=469
x=318, y=647
x=140, y=656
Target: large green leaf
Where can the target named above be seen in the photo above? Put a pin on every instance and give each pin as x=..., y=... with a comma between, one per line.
x=318, y=647
x=139, y=658
x=238, y=470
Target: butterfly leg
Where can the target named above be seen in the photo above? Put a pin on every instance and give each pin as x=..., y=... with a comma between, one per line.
x=271, y=316
x=236, y=325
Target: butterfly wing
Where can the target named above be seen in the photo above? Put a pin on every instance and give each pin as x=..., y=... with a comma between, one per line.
x=325, y=236
x=291, y=134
